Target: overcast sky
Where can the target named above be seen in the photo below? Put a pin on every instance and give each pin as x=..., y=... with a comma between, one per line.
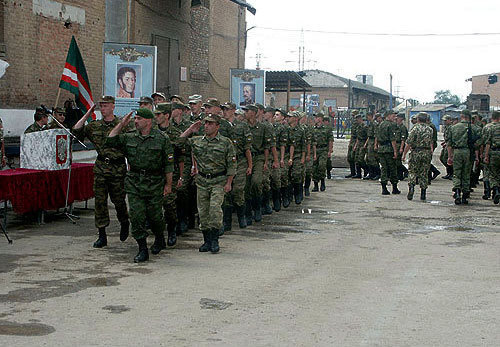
x=419, y=65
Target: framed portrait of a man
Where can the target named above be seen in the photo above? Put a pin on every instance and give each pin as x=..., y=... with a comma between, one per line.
x=247, y=86
x=129, y=73
x=247, y=94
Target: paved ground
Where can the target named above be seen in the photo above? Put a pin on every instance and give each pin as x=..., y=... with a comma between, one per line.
x=348, y=267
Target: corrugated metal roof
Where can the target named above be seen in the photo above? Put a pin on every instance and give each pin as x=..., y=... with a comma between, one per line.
x=324, y=79
x=277, y=81
x=432, y=107
x=245, y=4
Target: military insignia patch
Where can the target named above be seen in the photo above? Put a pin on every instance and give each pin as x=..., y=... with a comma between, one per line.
x=234, y=159
x=170, y=157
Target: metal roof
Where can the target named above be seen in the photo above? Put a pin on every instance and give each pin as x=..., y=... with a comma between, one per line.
x=324, y=79
x=249, y=7
x=432, y=107
x=277, y=81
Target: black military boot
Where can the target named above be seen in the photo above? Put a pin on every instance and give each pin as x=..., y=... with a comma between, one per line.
x=405, y=172
x=358, y=172
x=102, y=240
x=487, y=190
x=266, y=207
x=496, y=195
x=296, y=193
x=465, y=196
x=307, y=184
x=159, y=244
x=290, y=192
x=457, y=196
x=353, y=170
x=435, y=172
x=376, y=170
x=384, y=189
x=124, y=230
x=301, y=192
x=316, y=187
x=275, y=193
x=143, y=253
x=448, y=173
x=411, y=191
x=240, y=212
x=323, y=186
x=172, y=235
x=422, y=194
x=370, y=173
x=284, y=197
x=256, y=203
x=395, y=189
x=205, y=247
x=248, y=212
x=366, y=171
x=214, y=241
x=329, y=174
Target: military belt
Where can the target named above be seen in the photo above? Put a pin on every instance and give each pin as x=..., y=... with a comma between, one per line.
x=145, y=172
x=204, y=175
x=111, y=161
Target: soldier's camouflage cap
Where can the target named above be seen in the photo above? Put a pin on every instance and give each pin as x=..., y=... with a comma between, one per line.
x=145, y=100
x=378, y=114
x=423, y=114
x=239, y=112
x=144, y=113
x=401, y=115
x=355, y=112
x=59, y=110
x=107, y=98
x=159, y=94
x=229, y=105
x=270, y=109
x=260, y=106
x=212, y=118
x=177, y=97
x=177, y=106
x=194, y=99
x=212, y=102
x=294, y=114
x=164, y=107
x=187, y=107
x=446, y=117
x=250, y=108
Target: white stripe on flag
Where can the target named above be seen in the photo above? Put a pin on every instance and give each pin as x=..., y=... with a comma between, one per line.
x=67, y=72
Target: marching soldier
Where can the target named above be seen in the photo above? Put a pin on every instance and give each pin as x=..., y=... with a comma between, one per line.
x=282, y=140
x=322, y=150
x=385, y=144
x=271, y=175
x=297, y=158
x=492, y=156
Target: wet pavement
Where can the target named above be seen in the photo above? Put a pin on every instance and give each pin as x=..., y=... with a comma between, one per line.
x=347, y=267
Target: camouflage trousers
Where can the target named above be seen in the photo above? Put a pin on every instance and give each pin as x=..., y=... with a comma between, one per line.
x=461, y=169
x=112, y=186
x=144, y=208
x=275, y=178
x=494, y=168
x=297, y=170
x=371, y=158
x=309, y=167
x=418, y=167
x=388, y=168
x=359, y=155
x=253, y=187
x=284, y=175
x=443, y=156
x=319, y=170
x=210, y=196
x=170, y=206
x=329, y=164
x=236, y=197
x=351, y=155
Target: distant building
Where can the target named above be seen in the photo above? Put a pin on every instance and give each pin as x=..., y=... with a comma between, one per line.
x=488, y=84
x=436, y=111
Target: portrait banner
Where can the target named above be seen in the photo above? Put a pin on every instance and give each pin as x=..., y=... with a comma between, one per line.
x=247, y=87
x=129, y=72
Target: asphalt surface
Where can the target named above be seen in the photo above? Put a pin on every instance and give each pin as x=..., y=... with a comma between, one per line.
x=348, y=267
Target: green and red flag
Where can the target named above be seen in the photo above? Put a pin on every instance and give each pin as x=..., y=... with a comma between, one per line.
x=75, y=79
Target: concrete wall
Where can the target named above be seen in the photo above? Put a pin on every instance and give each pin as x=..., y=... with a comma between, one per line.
x=480, y=85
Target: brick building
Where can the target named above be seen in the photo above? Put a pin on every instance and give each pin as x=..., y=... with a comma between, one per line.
x=486, y=86
x=205, y=36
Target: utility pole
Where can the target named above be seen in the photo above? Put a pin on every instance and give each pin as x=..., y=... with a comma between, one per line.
x=390, y=96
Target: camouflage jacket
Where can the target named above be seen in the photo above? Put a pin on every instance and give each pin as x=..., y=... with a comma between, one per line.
x=420, y=137
x=493, y=138
x=386, y=133
x=261, y=138
x=281, y=131
x=34, y=128
x=270, y=131
x=371, y=129
x=434, y=133
x=401, y=133
x=173, y=134
x=458, y=136
x=323, y=135
x=297, y=139
x=214, y=156
x=361, y=133
x=239, y=133
x=354, y=132
x=446, y=132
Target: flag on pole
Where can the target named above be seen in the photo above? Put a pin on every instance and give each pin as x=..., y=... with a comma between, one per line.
x=75, y=79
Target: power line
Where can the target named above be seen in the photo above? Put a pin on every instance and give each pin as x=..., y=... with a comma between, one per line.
x=378, y=34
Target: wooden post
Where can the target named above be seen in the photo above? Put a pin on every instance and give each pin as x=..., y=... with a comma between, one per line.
x=288, y=96
x=57, y=98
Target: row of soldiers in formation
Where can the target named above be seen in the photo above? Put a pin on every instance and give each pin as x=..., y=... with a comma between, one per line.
x=227, y=160
x=380, y=145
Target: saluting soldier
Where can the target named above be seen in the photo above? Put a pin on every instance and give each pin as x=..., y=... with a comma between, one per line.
x=385, y=144
x=321, y=151
x=214, y=166
x=109, y=169
x=151, y=158
x=492, y=156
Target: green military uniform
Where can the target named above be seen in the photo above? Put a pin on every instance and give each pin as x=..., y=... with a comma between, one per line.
x=109, y=171
x=420, y=141
x=360, y=152
x=371, y=159
x=283, y=142
x=401, y=136
x=266, y=175
x=34, y=128
x=493, y=140
x=308, y=167
x=297, y=138
x=386, y=133
x=485, y=133
x=324, y=136
x=351, y=155
x=329, y=164
x=443, y=155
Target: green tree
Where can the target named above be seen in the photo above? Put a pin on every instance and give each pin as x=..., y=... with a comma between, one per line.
x=445, y=97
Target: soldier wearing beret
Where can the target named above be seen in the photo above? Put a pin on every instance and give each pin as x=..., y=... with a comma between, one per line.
x=109, y=169
x=41, y=120
x=214, y=166
x=151, y=158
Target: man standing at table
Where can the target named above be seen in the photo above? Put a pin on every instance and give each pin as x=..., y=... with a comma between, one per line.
x=109, y=169
x=41, y=121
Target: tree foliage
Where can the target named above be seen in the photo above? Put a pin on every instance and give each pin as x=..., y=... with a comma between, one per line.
x=446, y=97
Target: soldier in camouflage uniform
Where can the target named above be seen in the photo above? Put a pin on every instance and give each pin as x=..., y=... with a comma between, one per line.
x=310, y=141
x=3, y=159
x=240, y=134
x=385, y=144
x=443, y=156
x=264, y=117
x=297, y=158
x=371, y=161
x=329, y=164
x=459, y=144
x=401, y=136
x=165, y=125
x=158, y=98
x=40, y=123
x=420, y=144
x=492, y=155
x=433, y=171
x=214, y=164
x=478, y=128
x=261, y=144
x=282, y=142
x=151, y=158
x=485, y=133
x=59, y=114
x=351, y=155
x=109, y=169
x=274, y=175
x=359, y=146
x=322, y=149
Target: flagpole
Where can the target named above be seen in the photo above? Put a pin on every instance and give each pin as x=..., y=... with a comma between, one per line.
x=58, y=95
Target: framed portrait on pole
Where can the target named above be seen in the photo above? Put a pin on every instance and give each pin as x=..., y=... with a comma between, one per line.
x=247, y=87
x=129, y=72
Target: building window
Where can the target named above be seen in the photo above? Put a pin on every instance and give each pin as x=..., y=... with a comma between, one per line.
x=116, y=21
x=204, y=3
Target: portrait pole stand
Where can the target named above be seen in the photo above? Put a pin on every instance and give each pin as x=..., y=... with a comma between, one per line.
x=67, y=211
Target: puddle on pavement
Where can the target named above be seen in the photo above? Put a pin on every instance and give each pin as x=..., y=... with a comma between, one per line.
x=316, y=211
x=56, y=288
x=212, y=304
x=462, y=243
x=9, y=262
x=447, y=228
x=116, y=308
x=26, y=329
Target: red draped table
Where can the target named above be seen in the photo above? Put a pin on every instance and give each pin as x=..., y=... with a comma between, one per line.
x=35, y=190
